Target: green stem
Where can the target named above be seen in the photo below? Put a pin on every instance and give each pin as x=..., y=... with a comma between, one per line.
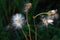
x=40, y=14
x=35, y=30
x=24, y=34
x=28, y=25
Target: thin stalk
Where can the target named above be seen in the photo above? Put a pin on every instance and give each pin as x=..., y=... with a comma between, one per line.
x=28, y=25
x=35, y=30
x=24, y=34
x=40, y=14
x=35, y=33
x=29, y=5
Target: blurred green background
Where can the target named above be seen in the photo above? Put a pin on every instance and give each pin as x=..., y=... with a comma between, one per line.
x=10, y=7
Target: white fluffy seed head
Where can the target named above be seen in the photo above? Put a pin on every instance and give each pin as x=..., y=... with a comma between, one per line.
x=18, y=20
x=47, y=21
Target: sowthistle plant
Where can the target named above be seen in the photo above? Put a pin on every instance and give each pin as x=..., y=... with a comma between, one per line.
x=18, y=20
x=51, y=16
x=27, y=7
x=49, y=19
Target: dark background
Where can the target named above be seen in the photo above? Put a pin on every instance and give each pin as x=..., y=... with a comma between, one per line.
x=10, y=7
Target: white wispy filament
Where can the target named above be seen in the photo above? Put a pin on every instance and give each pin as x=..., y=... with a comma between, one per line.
x=18, y=20
x=50, y=21
x=47, y=21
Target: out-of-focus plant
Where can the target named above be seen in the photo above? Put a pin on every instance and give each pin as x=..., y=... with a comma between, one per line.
x=31, y=30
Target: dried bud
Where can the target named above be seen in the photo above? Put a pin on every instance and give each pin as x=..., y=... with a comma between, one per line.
x=53, y=14
x=27, y=6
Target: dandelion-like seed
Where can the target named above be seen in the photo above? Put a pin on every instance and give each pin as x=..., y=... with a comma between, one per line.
x=18, y=20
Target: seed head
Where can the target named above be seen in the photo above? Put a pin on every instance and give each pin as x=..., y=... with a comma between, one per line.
x=18, y=20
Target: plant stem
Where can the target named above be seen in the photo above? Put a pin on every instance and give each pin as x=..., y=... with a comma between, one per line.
x=28, y=6
x=35, y=24
x=28, y=25
x=35, y=33
x=24, y=34
x=35, y=30
x=40, y=14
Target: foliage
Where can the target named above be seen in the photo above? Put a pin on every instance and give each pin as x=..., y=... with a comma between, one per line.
x=10, y=7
